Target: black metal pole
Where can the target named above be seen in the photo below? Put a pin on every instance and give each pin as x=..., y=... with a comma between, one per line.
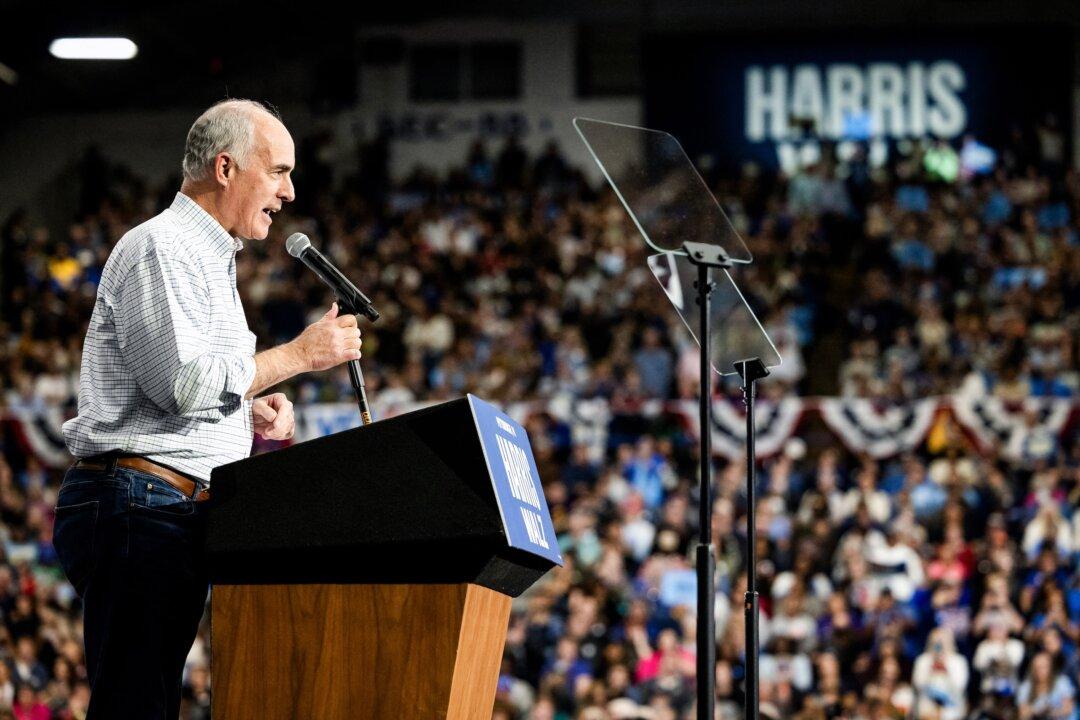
x=751, y=598
x=751, y=371
x=706, y=560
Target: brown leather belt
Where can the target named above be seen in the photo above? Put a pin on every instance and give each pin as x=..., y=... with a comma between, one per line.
x=181, y=482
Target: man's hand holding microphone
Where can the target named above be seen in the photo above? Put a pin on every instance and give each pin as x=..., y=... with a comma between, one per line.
x=327, y=343
x=332, y=340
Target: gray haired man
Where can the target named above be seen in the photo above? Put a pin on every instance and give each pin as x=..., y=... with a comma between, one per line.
x=167, y=393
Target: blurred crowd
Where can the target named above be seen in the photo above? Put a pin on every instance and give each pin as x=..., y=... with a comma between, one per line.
x=937, y=585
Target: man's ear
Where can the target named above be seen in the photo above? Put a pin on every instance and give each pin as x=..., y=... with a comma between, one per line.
x=224, y=168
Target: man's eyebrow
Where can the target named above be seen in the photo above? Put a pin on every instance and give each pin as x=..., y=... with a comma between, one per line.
x=282, y=166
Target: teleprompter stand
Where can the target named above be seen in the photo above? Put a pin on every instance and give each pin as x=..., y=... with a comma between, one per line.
x=751, y=371
x=679, y=217
x=705, y=256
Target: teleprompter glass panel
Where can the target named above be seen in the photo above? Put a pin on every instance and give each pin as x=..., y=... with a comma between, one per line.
x=660, y=188
x=734, y=331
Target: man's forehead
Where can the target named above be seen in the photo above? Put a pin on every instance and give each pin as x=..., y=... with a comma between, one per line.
x=274, y=140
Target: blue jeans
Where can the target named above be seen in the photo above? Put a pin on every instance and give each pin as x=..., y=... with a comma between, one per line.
x=132, y=546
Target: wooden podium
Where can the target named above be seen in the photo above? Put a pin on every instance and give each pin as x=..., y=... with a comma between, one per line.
x=367, y=574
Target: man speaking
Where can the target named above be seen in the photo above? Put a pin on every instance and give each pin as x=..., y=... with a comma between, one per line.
x=167, y=393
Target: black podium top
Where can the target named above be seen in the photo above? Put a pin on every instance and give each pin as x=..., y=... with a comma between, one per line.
x=404, y=500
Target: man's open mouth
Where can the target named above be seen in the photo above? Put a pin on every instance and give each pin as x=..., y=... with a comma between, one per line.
x=269, y=213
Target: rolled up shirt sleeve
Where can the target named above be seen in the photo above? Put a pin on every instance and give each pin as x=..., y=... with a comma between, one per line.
x=163, y=323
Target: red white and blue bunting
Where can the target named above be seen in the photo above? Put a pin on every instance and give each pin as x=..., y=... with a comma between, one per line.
x=775, y=423
x=863, y=426
x=868, y=428
x=37, y=433
x=1027, y=430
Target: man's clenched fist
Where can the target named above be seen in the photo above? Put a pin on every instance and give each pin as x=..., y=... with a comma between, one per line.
x=272, y=417
x=330, y=341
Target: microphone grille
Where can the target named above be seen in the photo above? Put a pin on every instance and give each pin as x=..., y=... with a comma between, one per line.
x=297, y=244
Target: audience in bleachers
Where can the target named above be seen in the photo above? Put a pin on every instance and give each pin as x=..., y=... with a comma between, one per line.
x=896, y=588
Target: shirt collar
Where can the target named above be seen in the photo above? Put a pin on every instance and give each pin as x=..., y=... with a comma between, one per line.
x=192, y=214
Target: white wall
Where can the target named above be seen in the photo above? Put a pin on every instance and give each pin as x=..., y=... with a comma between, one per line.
x=448, y=129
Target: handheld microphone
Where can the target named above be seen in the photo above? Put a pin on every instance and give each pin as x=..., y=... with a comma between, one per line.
x=352, y=301
x=300, y=247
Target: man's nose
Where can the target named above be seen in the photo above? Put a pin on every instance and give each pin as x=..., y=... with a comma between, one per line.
x=287, y=193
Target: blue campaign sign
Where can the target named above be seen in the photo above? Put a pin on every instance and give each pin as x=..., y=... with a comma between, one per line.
x=516, y=481
x=777, y=98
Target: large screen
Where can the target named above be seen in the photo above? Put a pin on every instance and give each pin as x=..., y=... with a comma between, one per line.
x=768, y=98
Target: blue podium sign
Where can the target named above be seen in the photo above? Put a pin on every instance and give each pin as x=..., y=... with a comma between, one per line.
x=516, y=481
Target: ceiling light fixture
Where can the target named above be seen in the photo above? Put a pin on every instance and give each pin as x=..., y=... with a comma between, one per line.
x=93, y=48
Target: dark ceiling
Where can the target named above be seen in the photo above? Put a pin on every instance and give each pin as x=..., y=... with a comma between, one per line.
x=191, y=54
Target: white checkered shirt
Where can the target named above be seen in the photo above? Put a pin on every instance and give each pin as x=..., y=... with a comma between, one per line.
x=168, y=355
